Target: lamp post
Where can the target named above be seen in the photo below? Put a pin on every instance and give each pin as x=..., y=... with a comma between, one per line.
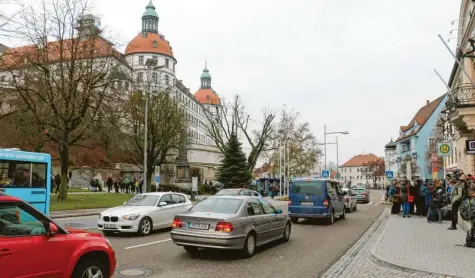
x=325, y=145
x=151, y=64
x=335, y=143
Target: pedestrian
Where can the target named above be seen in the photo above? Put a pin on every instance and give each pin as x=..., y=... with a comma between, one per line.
x=57, y=181
x=437, y=202
x=396, y=198
x=405, y=199
x=457, y=198
x=109, y=184
x=70, y=176
x=116, y=185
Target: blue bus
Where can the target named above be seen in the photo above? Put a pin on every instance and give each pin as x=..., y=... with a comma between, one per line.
x=26, y=175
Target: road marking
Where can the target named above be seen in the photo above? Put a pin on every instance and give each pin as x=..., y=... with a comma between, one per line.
x=147, y=244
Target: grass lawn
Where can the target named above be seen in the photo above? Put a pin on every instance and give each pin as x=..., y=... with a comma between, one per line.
x=88, y=201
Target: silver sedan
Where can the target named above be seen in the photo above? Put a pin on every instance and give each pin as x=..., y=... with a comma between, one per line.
x=230, y=222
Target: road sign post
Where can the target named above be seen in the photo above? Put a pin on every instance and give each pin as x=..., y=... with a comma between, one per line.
x=389, y=175
x=325, y=174
x=157, y=178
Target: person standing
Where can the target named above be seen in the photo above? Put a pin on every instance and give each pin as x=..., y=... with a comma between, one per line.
x=405, y=199
x=457, y=197
x=109, y=184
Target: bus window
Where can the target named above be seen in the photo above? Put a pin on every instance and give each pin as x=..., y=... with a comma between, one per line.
x=22, y=174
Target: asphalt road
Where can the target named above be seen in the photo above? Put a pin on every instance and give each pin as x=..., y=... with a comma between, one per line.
x=313, y=247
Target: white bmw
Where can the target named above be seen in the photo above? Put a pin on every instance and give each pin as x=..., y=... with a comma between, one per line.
x=144, y=213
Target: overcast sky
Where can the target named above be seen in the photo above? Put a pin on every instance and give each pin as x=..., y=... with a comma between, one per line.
x=364, y=66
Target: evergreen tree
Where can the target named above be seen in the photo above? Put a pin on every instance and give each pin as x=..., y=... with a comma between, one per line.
x=233, y=171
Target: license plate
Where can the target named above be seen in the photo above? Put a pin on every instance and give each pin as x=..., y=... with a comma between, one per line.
x=110, y=226
x=306, y=203
x=198, y=226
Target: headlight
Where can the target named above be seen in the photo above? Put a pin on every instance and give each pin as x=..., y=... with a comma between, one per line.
x=100, y=215
x=131, y=217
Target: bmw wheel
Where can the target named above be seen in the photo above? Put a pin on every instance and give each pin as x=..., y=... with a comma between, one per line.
x=145, y=226
x=249, y=245
x=287, y=230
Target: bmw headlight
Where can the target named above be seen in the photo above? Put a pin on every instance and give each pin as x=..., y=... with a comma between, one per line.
x=131, y=217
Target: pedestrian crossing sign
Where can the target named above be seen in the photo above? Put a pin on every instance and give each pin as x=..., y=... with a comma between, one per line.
x=389, y=174
x=325, y=174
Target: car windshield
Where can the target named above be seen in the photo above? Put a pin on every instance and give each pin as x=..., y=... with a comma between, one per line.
x=143, y=200
x=218, y=205
x=308, y=187
x=228, y=192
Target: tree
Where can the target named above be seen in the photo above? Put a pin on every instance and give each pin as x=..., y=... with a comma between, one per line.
x=166, y=125
x=63, y=83
x=20, y=131
x=233, y=119
x=234, y=171
x=6, y=20
x=375, y=169
x=298, y=139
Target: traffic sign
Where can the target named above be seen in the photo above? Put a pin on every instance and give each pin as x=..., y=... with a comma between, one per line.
x=444, y=149
x=325, y=174
x=157, y=179
x=389, y=174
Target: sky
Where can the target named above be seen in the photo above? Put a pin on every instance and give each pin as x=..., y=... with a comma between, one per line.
x=364, y=66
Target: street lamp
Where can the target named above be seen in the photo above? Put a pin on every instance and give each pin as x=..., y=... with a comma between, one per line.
x=335, y=143
x=325, y=145
x=151, y=64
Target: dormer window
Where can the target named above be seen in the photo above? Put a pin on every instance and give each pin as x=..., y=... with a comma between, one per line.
x=154, y=44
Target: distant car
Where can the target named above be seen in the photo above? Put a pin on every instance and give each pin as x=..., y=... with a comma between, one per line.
x=32, y=245
x=316, y=198
x=350, y=200
x=362, y=194
x=256, y=194
x=234, y=192
x=144, y=213
x=230, y=222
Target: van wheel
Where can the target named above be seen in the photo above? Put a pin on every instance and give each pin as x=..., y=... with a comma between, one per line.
x=294, y=220
x=331, y=220
x=249, y=246
x=90, y=268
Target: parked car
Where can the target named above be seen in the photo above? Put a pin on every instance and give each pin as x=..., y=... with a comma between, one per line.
x=234, y=192
x=144, y=213
x=362, y=194
x=32, y=245
x=230, y=222
x=256, y=194
x=316, y=198
x=350, y=200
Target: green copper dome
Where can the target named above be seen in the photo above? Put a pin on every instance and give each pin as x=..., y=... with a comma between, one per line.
x=205, y=74
x=150, y=10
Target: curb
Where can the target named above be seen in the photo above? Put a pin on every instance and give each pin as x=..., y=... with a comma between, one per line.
x=379, y=261
x=74, y=215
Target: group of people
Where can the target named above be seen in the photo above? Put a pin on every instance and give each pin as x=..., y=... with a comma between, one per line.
x=124, y=185
x=435, y=199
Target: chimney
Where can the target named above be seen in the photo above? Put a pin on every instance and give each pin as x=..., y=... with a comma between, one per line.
x=427, y=102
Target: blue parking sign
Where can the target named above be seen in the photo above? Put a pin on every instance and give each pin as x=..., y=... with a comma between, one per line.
x=325, y=174
x=157, y=179
x=389, y=174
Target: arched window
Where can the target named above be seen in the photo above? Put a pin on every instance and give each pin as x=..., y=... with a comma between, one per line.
x=154, y=44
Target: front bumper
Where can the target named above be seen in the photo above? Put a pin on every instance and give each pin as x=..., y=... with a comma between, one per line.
x=185, y=238
x=303, y=215
x=122, y=226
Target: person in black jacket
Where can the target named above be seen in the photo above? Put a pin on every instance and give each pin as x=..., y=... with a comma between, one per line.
x=413, y=191
x=419, y=200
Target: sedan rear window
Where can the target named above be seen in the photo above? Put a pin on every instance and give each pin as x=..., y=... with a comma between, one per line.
x=229, y=192
x=218, y=205
x=308, y=188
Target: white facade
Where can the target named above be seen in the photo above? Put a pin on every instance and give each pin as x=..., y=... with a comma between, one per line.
x=356, y=175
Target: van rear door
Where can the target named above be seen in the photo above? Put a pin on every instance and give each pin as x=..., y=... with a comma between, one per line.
x=307, y=197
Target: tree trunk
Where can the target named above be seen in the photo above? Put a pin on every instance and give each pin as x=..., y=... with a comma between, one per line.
x=64, y=158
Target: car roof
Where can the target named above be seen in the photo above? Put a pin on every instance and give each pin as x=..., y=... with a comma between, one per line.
x=241, y=197
x=160, y=193
x=314, y=179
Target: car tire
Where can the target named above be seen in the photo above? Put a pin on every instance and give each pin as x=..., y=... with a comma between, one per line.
x=145, y=226
x=249, y=246
x=356, y=206
x=350, y=210
x=343, y=215
x=294, y=220
x=287, y=231
x=191, y=249
x=92, y=264
x=331, y=220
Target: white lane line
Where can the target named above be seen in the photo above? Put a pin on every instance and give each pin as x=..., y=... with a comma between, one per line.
x=147, y=244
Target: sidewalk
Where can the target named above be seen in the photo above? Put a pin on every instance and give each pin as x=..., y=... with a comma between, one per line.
x=398, y=247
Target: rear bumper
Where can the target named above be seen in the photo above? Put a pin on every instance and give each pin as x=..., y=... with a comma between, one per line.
x=303, y=215
x=182, y=238
x=362, y=199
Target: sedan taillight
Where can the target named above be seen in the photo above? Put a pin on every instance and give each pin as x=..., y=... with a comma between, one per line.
x=177, y=223
x=224, y=227
x=289, y=202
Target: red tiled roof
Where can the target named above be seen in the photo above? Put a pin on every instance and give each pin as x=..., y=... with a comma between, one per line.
x=360, y=160
x=149, y=43
x=420, y=118
x=207, y=96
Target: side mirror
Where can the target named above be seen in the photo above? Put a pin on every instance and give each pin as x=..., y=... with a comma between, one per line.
x=279, y=211
x=162, y=204
x=50, y=228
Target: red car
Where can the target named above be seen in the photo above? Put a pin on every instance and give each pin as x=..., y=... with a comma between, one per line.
x=32, y=245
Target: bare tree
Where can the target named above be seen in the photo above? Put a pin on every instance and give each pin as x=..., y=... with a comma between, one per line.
x=7, y=20
x=65, y=82
x=233, y=118
x=375, y=169
x=167, y=128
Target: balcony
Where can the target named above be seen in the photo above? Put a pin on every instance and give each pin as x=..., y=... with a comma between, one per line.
x=461, y=107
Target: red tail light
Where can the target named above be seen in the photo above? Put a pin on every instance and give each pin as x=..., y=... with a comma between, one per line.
x=177, y=223
x=224, y=227
x=289, y=203
x=364, y=194
x=347, y=199
x=325, y=203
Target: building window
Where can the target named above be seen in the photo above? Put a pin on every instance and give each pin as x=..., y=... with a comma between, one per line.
x=154, y=44
x=141, y=60
x=154, y=77
x=167, y=63
x=126, y=85
x=431, y=142
x=140, y=77
x=167, y=80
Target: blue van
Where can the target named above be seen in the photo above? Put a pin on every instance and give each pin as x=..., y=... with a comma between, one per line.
x=316, y=198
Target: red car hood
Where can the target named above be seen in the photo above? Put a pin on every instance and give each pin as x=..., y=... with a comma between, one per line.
x=78, y=231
